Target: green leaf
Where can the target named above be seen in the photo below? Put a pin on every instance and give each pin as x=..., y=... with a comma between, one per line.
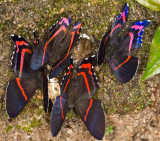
x=153, y=64
x=151, y=4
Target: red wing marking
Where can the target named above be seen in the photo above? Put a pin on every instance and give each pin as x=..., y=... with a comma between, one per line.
x=61, y=106
x=87, y=66
x=90, y=105
x=20, y=44
x=131, y=40
x=130, y=45
x=123, y=62
x=62, y=28
x=71, y=66
x=60, y=62
x=138, y=27
x=103, y=48
x=44, y=53
x=72, y=33
x=117, y=26
x=65, y=21
x=66, y=84
x=22, y=58
x=35, y=41
x=78, y=26
x=19, y=85
x=86, y=81
x=123, y=17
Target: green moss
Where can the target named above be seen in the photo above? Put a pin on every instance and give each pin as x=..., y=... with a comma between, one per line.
x=109, y=130
x=27, y=129
x=9, y=128
x=35, y=122
x=69, y=115
x=18, y=127
x=40, y=111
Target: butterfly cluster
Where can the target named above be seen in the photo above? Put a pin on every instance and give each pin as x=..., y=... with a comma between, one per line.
x=80, y=83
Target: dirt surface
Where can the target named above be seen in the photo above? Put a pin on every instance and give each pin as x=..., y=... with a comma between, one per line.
x=132, y=109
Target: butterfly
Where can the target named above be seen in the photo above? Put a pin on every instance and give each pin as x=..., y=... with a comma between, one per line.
x=76, y=91
x=21, y=89
x=117, y=51
x=55, y=48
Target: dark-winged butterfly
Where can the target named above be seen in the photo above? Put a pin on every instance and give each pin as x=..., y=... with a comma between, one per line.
x=76, y=91
x=21, y=89
x=118, y=50
x=56, y=46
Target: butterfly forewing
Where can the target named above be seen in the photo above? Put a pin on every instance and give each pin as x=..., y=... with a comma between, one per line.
x=112, y=38
x=59, y=66
x=132, y=38
x=19, y=92
x=119, y=22
x=22, y=57
x=92, y=114
x=86, y=79
x=48, y=46
x=66, y=80
x=64, y=43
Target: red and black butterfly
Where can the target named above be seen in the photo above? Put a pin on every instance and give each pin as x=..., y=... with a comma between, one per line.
x=56, y=46
x=22, y=88
x=76, y=91
x=118, y=50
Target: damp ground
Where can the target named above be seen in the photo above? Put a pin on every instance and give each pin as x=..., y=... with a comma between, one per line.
x=132, y=110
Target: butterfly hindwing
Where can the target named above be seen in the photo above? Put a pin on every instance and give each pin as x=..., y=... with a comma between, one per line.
x=86, y=79
x=124, y=67
x=59, y=112
x=21, y=57
x=92, y=114
x=19, y=92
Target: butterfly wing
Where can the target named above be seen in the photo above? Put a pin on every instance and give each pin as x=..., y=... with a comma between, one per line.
x=132, y=39
x=124, y=67
x=19, y=92
x=47, y=47
x=59, y=112
x=119, y=22
x=64, y=86
x=92, y=114
x=59, y=66
x=21, y=57
x=73, y=36
x=112, y=37
x=45, y=92
x=35, y=40
x=123, y=63
x=86, y=79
